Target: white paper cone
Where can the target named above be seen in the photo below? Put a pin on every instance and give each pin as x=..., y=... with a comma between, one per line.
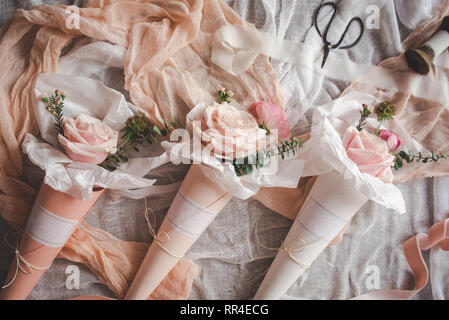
x=329, y=207
x=195, y=206
x=158, y=263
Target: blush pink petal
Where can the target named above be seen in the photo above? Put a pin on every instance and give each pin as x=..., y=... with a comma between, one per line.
x=87, y=139
x=79, y=152
x=97, y=159
x=370, y=153
x=71, y=132
x=231, y=131
x=273, y=116
x=93, y=138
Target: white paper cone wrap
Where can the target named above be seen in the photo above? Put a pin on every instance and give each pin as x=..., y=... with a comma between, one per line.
x=331, y=204
x=48, y=228
x=188, y=217
x=312, y=217
x=196, y=204
x=439, y=42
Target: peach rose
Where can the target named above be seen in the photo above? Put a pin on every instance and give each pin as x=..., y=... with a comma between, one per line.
x=231, y=131
x=87, y=139
x=370, y=153
x=273, y=116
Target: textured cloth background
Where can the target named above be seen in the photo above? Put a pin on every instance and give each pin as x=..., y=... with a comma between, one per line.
x=230, y=261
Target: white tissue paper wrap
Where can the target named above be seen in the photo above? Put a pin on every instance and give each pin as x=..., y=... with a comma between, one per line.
x=93, y=98
x=286, y=174
x=325, y=152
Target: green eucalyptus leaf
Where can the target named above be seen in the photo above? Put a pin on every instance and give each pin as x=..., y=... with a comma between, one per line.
x=157, y=130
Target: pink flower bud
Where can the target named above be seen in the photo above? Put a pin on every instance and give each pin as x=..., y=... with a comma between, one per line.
x=390, y=138
x=273, y=116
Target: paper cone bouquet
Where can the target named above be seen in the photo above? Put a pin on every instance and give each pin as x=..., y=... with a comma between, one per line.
x=228, y=161
x=85, y=142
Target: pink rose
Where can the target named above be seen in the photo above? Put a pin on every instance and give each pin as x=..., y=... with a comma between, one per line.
x=230, y=131
x=370, y=153
x=390, y=138
x=87, y=139
x=273, y=116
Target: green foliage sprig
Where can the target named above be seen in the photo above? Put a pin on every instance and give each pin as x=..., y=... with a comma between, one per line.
x=55, y=105
x=412, y=156
x=284, y=149
x=224, y=96
x=364, y=114
x=138, y=130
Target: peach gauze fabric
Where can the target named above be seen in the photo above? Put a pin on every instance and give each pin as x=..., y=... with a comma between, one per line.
x=167, y=71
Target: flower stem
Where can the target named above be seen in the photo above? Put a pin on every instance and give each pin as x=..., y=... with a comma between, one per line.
x=378, y=127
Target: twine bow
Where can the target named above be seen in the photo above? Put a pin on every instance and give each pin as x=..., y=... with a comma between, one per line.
x=297, y=246
x=21, y=263
x=160, y=239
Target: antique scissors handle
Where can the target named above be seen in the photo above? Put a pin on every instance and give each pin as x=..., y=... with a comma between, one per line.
x=327, y=44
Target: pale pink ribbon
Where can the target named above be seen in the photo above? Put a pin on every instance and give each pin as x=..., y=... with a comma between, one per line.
x=438, y=235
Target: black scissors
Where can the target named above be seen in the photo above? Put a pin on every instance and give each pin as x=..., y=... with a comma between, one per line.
x=329, y=46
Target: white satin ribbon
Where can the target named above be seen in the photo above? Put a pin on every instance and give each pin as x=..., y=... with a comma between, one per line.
x=48, y=228
x=235, y=48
